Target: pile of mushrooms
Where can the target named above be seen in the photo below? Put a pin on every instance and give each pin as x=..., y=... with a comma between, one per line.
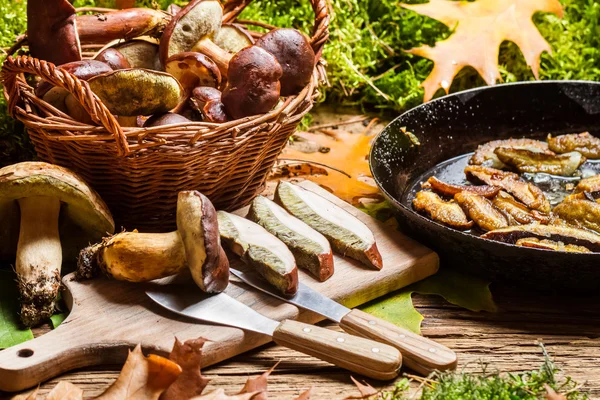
x=168, y=67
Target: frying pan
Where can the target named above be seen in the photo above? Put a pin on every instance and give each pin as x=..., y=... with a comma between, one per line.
x=456, y=124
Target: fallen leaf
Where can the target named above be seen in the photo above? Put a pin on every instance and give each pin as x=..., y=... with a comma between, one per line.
x=258, y=384
x=304, y=395
x=295, y=169
x=11, y=331
x=190, y=382
x=27, y=396
x=366, y=390
x=552, y=395
x=220, y=394
x=142, y=378
x=481, y=26
x=348, y=175
x=65, y=391
x=456, y=287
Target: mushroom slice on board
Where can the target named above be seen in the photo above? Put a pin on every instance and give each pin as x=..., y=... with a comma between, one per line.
x=268, y=255
x=346, y=233
x=193, y=69
x=481, y=211
x=132, y=92
x=581, y=213
x=294, y=53
x=445, y=212
x=526, y=192
x=142, y=257
x=311, y=249
x=484, y=155
x=114, y=58
x=46, y=197
x=198, y=19
x=252, y=83
x=531, y=161
x=52, y=31
x=450, y=189
x=551, y=245
x=564, y=234
x=586, y=144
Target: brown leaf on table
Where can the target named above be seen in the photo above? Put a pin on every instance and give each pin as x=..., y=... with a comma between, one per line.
x=366, y=390
x=305, y=395
x=347, y=173
x=27, y=396
x=258, y=384
x=480, y=27
x=190, y=382
x=65, y=391
x=552, y=395
x=142, y=378
x=220, y=394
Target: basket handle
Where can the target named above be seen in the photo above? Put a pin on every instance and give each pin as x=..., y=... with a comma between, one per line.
x=320, y=32
x=14, y=66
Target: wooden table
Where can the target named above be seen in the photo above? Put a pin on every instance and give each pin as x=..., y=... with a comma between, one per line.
x=569, y=327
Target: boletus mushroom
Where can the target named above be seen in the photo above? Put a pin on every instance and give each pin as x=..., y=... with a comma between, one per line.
x=192, y=70
x=227, y=41
x=46, y=196
x=168, y=118
x=128, y=93
x=294, y=53
x=142, y=257
x=207, y=101
x=252, y=83
x=141, y=52
x=52, y=31
x=114, y=58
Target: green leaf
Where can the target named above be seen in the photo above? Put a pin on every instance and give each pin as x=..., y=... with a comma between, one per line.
x=57, y=319
x=11, y=331
x=456, y=287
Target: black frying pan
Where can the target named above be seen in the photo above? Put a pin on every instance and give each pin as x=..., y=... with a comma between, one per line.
x=455, y=125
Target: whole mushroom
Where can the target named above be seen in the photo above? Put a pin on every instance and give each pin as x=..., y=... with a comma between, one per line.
x=192, y=70
x=141, y=257
x=168, y=118
x=113, y=58
x=207, y=101
x=46, y=197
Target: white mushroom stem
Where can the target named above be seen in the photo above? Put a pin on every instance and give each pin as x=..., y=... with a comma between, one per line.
x=215, y=53
x=39, y=257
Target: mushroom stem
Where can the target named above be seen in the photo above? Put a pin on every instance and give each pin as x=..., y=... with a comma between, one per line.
x=215, y=53
x=39, y=257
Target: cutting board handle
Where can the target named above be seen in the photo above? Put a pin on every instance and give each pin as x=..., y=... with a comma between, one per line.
x=63, y=349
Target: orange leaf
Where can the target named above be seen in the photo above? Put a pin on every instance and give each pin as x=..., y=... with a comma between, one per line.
x=142, y=378
x=190, y=382
x=481, y=27
x=258, y=384
x=27, y=396
x=220, y=394
x=366, y=391
x=347, y=153
x=304, y=395
x=65, y=391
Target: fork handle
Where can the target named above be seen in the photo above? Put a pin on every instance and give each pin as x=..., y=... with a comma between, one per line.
x=420, y=354
x=356, y=354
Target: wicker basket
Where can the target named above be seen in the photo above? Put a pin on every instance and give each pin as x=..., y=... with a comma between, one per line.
x=139, y=171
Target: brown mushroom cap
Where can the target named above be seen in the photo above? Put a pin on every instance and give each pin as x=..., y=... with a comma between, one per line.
x=136, y=91
x=141, y=52
x=207, y=101
x=293, y=51
x=196, y=20
x=253, y=83
x=232, y=38
x=82, y=206
x=192, y=70
x=84, y=70
x=52, y=31
x=197, y=225
x=114, y=58
x=168, y=118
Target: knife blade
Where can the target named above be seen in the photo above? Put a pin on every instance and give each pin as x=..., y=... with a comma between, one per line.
x=420, y=354
x=360, y=355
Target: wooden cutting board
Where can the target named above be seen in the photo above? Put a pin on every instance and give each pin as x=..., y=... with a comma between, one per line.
x=109, y=317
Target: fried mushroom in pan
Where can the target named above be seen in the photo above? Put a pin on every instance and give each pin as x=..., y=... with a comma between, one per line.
x=446, y=212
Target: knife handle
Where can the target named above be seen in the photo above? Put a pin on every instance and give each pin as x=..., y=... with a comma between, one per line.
x=356, y=354
x=420, y=354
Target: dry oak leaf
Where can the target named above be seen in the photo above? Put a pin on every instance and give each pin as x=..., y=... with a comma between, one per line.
x=142, y=378
x=190, y=382
x=27, y=396
x=258, y=384
x=481, y=27
x=305, y=395
x=366, y=391
x=220, y=394
x=65, y=391
x=348, y=175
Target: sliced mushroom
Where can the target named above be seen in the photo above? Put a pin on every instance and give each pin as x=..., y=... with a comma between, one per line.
x=52, y=31
x=252, y=83
x=132, y=92
x=532, y=161
x=207, y=101
x=46, y=196
x=233, y=38
x=481, y=211
x=198, y=19
x=445, y=212
x=585, y=143
x=484, y=155
x=346, y=233
x=192, y=70
x=551, y=245
x=121, y=25
x=114, y=58
x=168, y=118
x=581, y=213
x=142, y=257
x=294, y=53
x=449, y=189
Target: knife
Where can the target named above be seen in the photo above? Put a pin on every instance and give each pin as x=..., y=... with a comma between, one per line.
x=360, y=355
x=420, y=354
